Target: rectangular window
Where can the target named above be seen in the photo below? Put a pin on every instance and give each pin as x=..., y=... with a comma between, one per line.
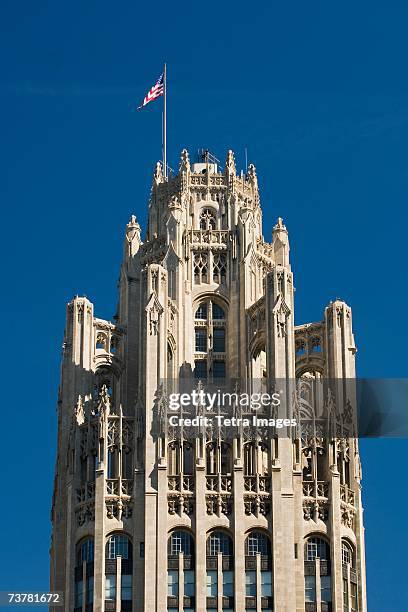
x=310, y=589
x=89, y=589
x=228, y=584
x=266, y=584
x=212, y=587
x=110, y=588
x=345, y=595
x=353, y=597
x=126, y=587
x=79, y=589
x=219, y=340
x=250, y=583
x=172, y=583
x=325, y=584
x=200, y=369
x=219, y=369
x=201, y=340
x=189, y=583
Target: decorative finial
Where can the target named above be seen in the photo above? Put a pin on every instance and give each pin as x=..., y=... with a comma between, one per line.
x=230, y=163
x=158, y=173
x=280, y=225
x=184, y=161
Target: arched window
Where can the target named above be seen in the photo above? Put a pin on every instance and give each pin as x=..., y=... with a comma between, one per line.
x=180, y=542
x=210, y=336
x=317, y=570
x=220, y=570
x=219, y=542
x=119, y=545
x=258, y=543
x=207, y=219
x=350, y=600
x=83, y=592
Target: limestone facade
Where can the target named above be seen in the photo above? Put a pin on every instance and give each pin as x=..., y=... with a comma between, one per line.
x=147, y=516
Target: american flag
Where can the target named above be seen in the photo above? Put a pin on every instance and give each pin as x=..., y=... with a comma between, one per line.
x=155, y=92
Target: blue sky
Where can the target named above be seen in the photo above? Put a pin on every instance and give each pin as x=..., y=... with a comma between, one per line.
x=318, y=94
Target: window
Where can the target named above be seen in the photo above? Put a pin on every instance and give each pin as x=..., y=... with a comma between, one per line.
x=118, y=546
x=201, y=340
x=200, y=268
x=200, y=369
x=257, y=542
x=127, y=463
x=207, y=219
x=316, y=548
x=180, y=541
x=126, y=587
x=353, y=596
x=79, y=590
x=172, y=583
x=346, y=554
x=219, y=542
x=85, y=552
x=345, y=595
x=219, y=268
x=212, y=584
x=217, y=312
x=189, y=583
x=89, y=589
x=250, y=583
x=219, y=340
x=201, y=312
x=310, y=589
x=207, y=313
x=226, y=459
x=266, y=584
x=219, y=369
x=325, y=588
x=228, y=584
x=110, y=587
x=112, y=463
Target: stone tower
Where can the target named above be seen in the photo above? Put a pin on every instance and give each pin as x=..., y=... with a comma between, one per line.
x=148, y=515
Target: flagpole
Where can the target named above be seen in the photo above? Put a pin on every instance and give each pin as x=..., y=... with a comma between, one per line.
x=165, y=121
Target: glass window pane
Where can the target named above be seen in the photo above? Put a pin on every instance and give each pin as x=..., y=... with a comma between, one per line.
x=217, y=312
x=266, y=584
x=325, y=585
x=79, y=589
x=189, y=583
x=228, y=584
x=201, y=340
x=172, y=583
x=212, y=587
x=118, y=546
x=110, y=587
x=89, y=589
x=250, y=583
x=255, y=543
x=219, y=369
x=201, y=312
x=180, y=541
x=126, y=592
x=200, y=368
x=219, y=340
x=310, y=588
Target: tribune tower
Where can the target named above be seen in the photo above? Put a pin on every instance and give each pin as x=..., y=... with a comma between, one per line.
x=152, y=517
